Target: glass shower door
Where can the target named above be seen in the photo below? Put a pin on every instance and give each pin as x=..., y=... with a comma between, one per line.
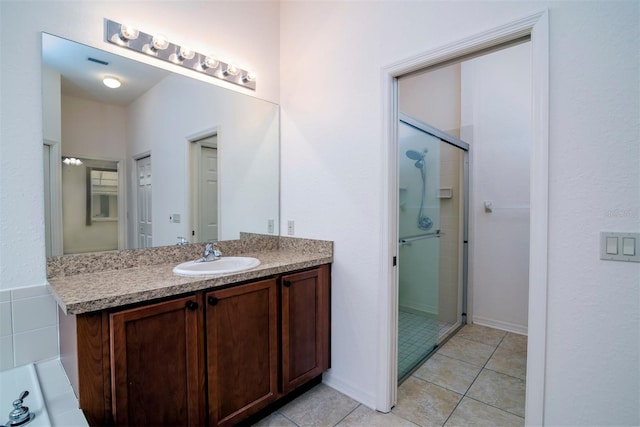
x=419, y=246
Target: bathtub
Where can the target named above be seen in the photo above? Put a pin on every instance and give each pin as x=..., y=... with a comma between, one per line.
x=50, y=397
x=12, y=383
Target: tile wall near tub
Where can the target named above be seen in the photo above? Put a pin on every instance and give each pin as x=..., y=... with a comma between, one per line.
x=28, y=326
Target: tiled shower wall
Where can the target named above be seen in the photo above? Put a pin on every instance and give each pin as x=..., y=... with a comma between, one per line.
x=28, y=326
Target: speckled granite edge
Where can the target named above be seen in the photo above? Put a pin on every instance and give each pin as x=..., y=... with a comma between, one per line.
x=69, y=265
x=83, y=293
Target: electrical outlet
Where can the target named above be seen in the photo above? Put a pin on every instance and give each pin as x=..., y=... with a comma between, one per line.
x=290, y=228
x=270, y=226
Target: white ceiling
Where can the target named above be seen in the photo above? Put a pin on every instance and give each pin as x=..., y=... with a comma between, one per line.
x=82, y=78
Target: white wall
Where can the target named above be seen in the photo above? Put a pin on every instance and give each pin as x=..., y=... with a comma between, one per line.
x=496, y=118
x=331, y=57
x=162, y=121
x=247, y=33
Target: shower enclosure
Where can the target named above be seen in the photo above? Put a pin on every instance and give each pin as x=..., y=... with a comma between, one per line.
x=432, y=216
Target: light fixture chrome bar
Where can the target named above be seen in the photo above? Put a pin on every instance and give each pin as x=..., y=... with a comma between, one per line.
x=143, y=43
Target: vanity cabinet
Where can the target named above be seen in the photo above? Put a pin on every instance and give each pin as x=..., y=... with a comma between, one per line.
x=305, y=327
x=155, y=357
x=242, y=350
x=212, y=358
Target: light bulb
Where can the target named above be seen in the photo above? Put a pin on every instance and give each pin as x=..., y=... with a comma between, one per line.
x=249, y=77
x=127, y=32
x=160, y=42
x=231, y=70
x=111, y=82
x=186, y=53
x=209, y=62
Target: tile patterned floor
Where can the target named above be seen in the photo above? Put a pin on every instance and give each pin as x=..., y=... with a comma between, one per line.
x=476, y=378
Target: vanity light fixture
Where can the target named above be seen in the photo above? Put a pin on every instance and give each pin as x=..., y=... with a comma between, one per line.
x=160, y=47
x=112, y=82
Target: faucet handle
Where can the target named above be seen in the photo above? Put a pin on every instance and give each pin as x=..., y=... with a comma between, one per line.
x=213, y=248
x=20, y=413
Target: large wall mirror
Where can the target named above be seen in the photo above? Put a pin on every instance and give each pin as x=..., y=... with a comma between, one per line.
x=163, y=156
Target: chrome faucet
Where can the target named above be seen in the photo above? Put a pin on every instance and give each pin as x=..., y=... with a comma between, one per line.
x=211, y=252
x=20, y=414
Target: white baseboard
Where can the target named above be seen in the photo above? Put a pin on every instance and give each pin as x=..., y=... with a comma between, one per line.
x=498, y=324
x=343, y=387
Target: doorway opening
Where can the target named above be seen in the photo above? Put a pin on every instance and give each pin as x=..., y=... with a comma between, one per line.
x=204, y=165
x=486, y=100
x=534, y=28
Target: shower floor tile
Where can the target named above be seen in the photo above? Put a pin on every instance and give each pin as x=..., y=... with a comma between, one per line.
x=417, y=336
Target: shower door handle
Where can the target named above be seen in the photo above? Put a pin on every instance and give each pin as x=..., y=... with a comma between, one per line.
x=407, y=240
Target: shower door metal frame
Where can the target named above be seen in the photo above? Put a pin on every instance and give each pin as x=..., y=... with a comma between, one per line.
x=448, y=139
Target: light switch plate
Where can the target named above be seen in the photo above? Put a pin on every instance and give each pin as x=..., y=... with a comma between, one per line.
x=627, y=246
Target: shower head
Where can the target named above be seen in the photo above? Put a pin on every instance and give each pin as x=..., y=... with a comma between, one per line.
x=414, y=155
x=418, y=157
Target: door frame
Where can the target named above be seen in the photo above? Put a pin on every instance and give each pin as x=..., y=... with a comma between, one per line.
x=195, y=152
x=536, y=26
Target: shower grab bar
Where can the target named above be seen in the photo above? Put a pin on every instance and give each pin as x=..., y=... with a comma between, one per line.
x=421, y=236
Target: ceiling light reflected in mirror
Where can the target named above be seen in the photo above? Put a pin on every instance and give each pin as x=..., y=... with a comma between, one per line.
x=111, y=82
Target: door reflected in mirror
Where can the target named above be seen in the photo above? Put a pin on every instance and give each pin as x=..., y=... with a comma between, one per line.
x=193, y=159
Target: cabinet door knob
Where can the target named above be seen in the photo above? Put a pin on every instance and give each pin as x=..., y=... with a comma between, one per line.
x=213, y=300
x=192, y=305
x=287, y=283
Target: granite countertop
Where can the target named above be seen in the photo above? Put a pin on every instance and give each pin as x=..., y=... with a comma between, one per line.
x=98, y=290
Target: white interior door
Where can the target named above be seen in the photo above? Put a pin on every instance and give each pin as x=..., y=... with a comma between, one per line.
x=143, y=166
x=208, y=194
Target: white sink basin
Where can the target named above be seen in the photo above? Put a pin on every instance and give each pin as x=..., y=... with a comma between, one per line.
x=228, y=264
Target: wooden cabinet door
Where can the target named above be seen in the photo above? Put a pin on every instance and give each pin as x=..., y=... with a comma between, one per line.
x=156, y=364
x=305, y=326
x=242, y=350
